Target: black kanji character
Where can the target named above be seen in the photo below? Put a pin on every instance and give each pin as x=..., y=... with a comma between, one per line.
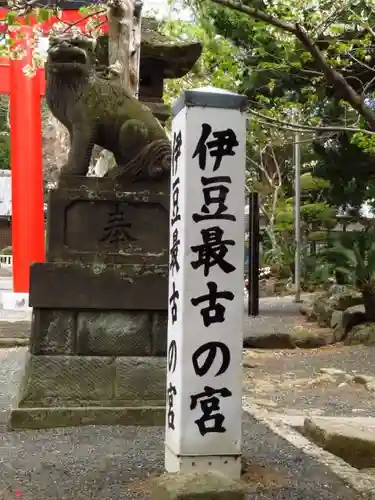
x=172, y=392
x=210, y=406
x=176, y=151
x=175, y=201
x=173, y=303
x=214, y=195
x=212, y=251
x=172, y=356
x=214, y=312
x=222, y=145
x=211, y=348
x=174, y=264
x=116, y=229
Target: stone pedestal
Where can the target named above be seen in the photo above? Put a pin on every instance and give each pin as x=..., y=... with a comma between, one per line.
x=197, y=486
x=99, y=326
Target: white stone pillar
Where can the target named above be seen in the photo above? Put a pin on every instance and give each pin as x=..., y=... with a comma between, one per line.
x=205, y=323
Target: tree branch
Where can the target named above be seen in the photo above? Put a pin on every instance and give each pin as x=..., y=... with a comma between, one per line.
x=260, y=15
x=333, y=77
x=336, y=79
x=367, y=27
x=299, y=127
x=361, y=63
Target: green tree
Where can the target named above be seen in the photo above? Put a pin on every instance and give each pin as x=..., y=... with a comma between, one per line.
x=4, y=134
x=315, y=37
x=355, y=259
x=220, y=64
x=313, y=64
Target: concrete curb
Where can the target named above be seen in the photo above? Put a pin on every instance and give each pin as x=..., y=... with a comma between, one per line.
x=358, y=481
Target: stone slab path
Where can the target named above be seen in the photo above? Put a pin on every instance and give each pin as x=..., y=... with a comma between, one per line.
x=276, y=315
x=14, y=329
x=352, y=439
x=113, y=463
x=311, y=382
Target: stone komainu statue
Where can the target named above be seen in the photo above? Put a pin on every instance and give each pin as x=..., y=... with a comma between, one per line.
x=97, y=110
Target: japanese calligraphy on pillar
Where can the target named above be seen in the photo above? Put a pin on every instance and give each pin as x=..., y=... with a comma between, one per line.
x=206, y=300
x=174, y=315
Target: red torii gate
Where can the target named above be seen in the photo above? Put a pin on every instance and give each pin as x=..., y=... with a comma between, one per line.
x=26, y=148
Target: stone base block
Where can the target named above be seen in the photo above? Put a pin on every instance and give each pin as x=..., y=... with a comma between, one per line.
x=47, y=418
x=72, y=388
x=99, y=333
x=98, y=287
x=230, y=465
x=197, y=486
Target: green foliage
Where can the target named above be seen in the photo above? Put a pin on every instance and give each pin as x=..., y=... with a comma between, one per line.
x=283, y=82
x=279, y=65
x=6, y=251
x=280, y=257
x=313, y=215
x=319, y=214
x=317, y=236
x=354, y=257
x=310, y=183
x=364, y=142
x=4, y=151
x=316, y=269
x=348, y=167
x=220, y=64
x=4, y=134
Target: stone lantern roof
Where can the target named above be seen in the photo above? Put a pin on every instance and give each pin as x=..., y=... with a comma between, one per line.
x=161, y=57
x=177, y=57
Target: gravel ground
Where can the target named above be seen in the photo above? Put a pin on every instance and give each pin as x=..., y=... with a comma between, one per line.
x=276, y=315
x=110, y=463
x=113, y=463
x=116, y=463
x=290, y=381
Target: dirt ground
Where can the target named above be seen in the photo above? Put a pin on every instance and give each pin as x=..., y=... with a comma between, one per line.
x=291, y=381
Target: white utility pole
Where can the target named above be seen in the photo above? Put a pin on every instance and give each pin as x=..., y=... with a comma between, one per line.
x=297, y=216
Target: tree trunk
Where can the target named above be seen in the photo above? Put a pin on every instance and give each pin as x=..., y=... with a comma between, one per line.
x=124, y=20
x=368, y=294
x=135, y=49
x=120, y=24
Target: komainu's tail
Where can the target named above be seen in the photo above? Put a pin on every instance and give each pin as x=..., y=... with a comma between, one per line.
x=152, y=162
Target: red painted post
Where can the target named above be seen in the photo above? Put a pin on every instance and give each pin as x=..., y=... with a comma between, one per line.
x=26, y=168
x=26, y=150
